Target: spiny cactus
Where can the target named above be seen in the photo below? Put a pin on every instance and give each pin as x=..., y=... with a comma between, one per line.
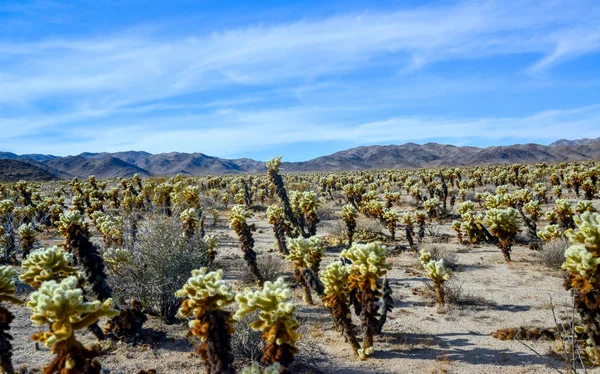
x=368, y=266
x=551, y=232
x=61, y=307
x=211, y=247
x=504, y=225
x=27, y=233
x=47, y=264
x=276, y=320
x=305, y=253
x=565, y=214
x=391, y=218
x=438, y=272
x=581, y=263
x=408, y=219
x=191, y=221
x=349, y=215
x=7, y=294
x=273, y=166
x=276, y=217
x=116, y=259
x=206, y=294
x=431, y=207
x=335, y=279
x=238, y=222
x=75, y=231
x=584, y=206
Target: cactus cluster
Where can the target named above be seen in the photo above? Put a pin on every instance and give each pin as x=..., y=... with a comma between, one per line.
x=206, y=294
x=368, y=267
x=276, y=320
x=61, y=307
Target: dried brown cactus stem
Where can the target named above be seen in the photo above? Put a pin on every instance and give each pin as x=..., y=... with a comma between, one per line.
x=299, y=277
x=6, y=318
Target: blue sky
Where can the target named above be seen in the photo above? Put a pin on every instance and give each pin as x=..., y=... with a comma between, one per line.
x=298, y=79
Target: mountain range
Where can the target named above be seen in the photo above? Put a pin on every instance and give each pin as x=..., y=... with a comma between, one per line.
x=409, y=155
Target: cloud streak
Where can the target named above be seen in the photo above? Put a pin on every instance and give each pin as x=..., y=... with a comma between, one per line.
x=277, y=77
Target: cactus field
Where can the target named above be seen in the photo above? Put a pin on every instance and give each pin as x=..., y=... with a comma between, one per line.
x=482, y=269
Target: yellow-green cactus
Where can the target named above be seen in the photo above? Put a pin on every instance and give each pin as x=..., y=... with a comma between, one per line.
x=504, y=225
x=27, y=233
x=206, y=294
x=191, y=221
x=61, y=306
x=211, y=247
x=335, y=278
x=305, y=253
x=238, y=222
x=551, y=232
x=349, y=215
x=438, y=272
x=116, y=259
x=582, y=260
x=368, y=266
x=7, y=285
x=584, y=206
x=7, y=294
x=391, y=218
x=276, y=319
x=47, y=264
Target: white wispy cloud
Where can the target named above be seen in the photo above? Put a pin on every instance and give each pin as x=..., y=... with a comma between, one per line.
x=80, y=85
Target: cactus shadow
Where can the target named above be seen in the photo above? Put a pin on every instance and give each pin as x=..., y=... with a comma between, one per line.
x=457, y=347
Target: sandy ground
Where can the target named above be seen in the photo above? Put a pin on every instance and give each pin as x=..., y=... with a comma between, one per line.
x=418, y=337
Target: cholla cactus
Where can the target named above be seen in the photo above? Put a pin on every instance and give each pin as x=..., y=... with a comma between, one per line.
x=408, y=219
x=349, y=215
x=276, y=217
x=206, y=295
x=504, y=225
x=438, y=272
x=582, y=260
x=584, y=206
x=27, y=233
x=75, y=231
x=116, y=259
x=308, y=204
x=47, y=264
x=61, y=307
x=391, y=218
x=255, y=369
x=191, y=221
x=551, y=232
x=238, y=216
x=431, y=207
x=305, y=253
x=335, y=279
x=276, y=320
x=273, y=166
x=457, y=227
x=420, y=218
x=564, y=212
x=211, y=247
x=7, y=294
x=368, y=266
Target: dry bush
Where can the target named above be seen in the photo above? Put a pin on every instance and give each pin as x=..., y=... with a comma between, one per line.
x=247, y=343
x=271, y=267
x=457, y=296
x=443, y=252
x=162, y=262
x=553, y=253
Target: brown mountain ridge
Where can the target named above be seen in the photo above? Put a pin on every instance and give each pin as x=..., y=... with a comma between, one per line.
x=409, y=155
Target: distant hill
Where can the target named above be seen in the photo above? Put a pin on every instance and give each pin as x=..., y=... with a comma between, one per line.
x=409, y=155
x=102, y=167
x=15, y=170
x=565, y=142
